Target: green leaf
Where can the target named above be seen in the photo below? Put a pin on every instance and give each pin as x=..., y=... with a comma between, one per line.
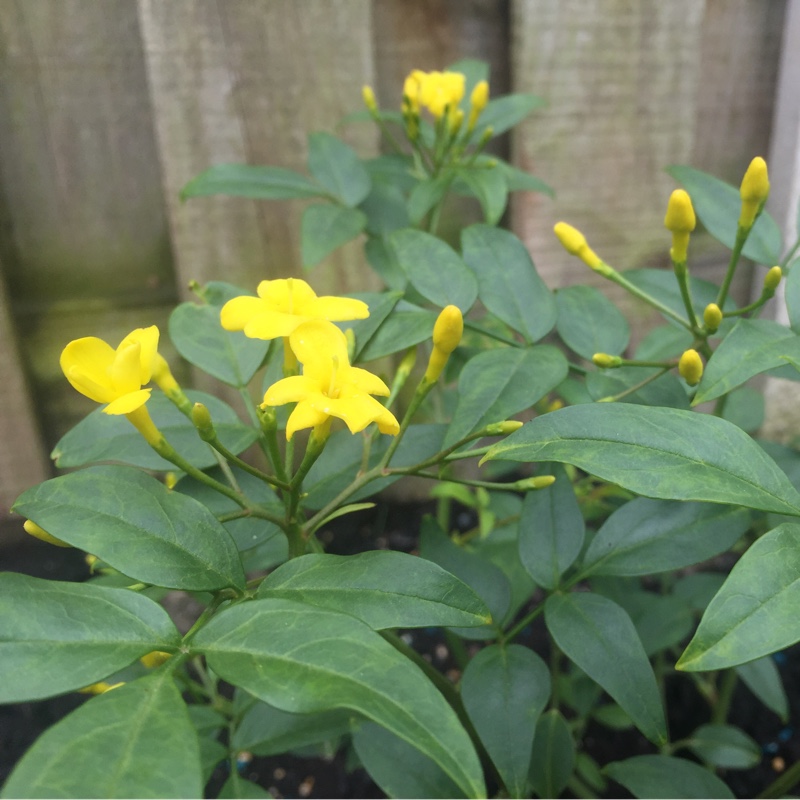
x=647, y=536
x=657, y=452
x=384, y=589
x=662, y=343
x=745, y=408
x=134, y=741
x=381, y=258
x=229, y=356
x=403, y=328
x=755, y=611
x=589, y=322
x=519, y=181
x=435, y=270
x=381, y=306
x=698, y=588
x=553, y=758
x=325, y=228
x=487, y=182
x=138, y=526
x=496, y=384
x=667, y=777
x=57, y=637
x=256, y=182
x=385, y=208
x=503, y=113
x=312, y=659
x=718, y=204
x=338, y=168
x=399, y=769
x=521, y=299
x=551, y=529
x=483, y=577
x=238, y=788
x=661, y=621
x=664, y=391
x=752, y=347
x=763, y=679
x=266, y=730
x=504, y=690
x=724, y=746
x=426, y=194
x=600, y=638
x=105, y=437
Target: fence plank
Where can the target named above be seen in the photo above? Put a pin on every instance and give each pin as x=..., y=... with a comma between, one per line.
x=623, y=81
x=244, y=81
x=82, y=223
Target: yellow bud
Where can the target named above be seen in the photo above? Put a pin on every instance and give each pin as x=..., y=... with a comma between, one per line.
x=406, y=364
x=34, y=530
x=606, y=361
x=503, y=428
x=712, y=317
x=455, y=120
x=155, y=658
x=539, y=482
x=201, y=419
x=753, y=191
x=447, y=334
x=772, y=279
x=350, y=338
x=100, y=688
x=574, y=242
x=90, y=560
x=170, y=479
x=554, y=405
x=369, y=98
x=690, y=367
x=479, y=97
x=680, y=216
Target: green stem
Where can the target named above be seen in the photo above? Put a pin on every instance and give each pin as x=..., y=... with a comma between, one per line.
x=208, y=612
x=617, y=278
x=752, y=307
x=473, y=326
x=719, y=714
x=635, y=388
x=243, y=465
x=522, y=624
x=741, y=238
x=788, y=257
x=682, y=274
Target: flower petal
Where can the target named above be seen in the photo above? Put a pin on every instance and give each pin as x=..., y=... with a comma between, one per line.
x=128, y=402
x=86, y=386
x=305, y=415
x=87, y=361
x=317, y=342
x=357, y=410
x=272, y=324
x=126, y=369
x=289, y=295
x=236, y=313
x=291, y=390
x=336, y=309
x=148, y=340
x=364, y=381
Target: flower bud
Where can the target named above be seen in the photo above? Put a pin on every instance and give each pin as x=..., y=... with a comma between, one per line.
x=34, y=530
x=170, y=479
x=690, y=367
x=680, y=220
x=753, y=191
x=574, y=242
x=712, y=317
x=605, y=361
x=502, y=428
x=100, y=688
x=477, y=102
x=539, y=482
x=447, y=334
x=155, y=658
x=369, y=98
x=350, y=338
x=772, y=279
x=201, y=419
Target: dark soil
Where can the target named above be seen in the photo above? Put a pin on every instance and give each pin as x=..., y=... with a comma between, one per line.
x=292, y=776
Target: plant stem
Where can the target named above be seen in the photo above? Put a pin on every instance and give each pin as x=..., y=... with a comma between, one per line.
x=783, y=785
x=522, y=624
x=741, y=238
x=727, y=684
x=635, y=388
x=617, y=278
x=243, y=465
x=473, y=326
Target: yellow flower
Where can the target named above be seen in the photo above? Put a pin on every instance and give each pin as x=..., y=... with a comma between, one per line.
x=155, y=658
x=282, y=305
x=447, y=333
x=111, y=376
x=477, y=102
x=329, y=385
x=436, y=91
x=681, y=221
x=690, y=367
x=574, y=242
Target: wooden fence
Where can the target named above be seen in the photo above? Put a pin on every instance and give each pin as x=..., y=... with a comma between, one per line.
x=108, y=108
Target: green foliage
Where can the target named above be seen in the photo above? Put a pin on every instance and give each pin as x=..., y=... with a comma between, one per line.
x=585, y=536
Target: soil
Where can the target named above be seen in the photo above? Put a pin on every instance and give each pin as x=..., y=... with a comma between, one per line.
x=291, y=776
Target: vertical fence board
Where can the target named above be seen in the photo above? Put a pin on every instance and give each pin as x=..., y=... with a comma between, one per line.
x=623, y=81
x=82, y=223
x=245, y=81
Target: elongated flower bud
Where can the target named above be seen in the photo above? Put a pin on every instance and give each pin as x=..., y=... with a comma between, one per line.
x=753, y=191
x=503, y=428
x=690, y=367
x=369, y=98
x=681, y=221
x=772, y=279
x=155, y=658
x=34, y=530
x=712, y=316
x=447, y=334
x=201, y=419
x=605, y=361
x=539, y=482
x=477, y=102
x=574, y=242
